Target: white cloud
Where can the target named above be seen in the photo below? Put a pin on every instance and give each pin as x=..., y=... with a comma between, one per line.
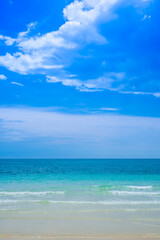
x=99, y=84
x=21, y=35
x=108, y=109
x=80, y=28
x=7, y=40
x=2, y=77
x=146, y=17
x=155, y=94
x=80, y=85
x=55, y=50
x=24, y=63
x=92, y=85
x=16, y=83
x=67, y=82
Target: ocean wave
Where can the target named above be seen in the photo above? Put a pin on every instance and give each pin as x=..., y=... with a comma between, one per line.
x=133, y=193
x=8, y=201
x=140, y=187
x=122, y=187
x=30, y=193
x=106, y=202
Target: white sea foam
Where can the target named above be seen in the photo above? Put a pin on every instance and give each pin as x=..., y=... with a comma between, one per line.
x=140, y=187
x=8, y=201
x=30, y=193
x=133, y=193
x=83, y=202
x=107, y=202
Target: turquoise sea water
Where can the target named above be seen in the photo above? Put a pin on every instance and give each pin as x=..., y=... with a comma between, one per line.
x=123, y=192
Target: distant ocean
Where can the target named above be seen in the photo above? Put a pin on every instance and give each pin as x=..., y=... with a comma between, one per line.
x=82, y=198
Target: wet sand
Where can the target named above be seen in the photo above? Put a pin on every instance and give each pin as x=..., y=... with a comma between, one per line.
x=107, y=237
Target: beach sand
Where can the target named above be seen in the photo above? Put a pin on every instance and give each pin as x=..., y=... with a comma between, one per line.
x=59, y=225
x=107, y=237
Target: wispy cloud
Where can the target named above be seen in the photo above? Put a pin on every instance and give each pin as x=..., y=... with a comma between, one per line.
x=21, y=36
x=155, y=94
x=112, y=81
x=92, y=85
x=2, y=77
x=146, y=17
x=78, y=84
x=109, y=109
x=16, y=83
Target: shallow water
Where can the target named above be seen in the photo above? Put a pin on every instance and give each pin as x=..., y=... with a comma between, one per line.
x=80, y=198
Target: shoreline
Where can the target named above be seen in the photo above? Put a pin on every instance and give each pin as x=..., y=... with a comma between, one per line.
x=62, y=237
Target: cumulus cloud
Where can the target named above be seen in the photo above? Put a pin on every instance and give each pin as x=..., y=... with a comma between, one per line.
x=24, y=63
x=7, y=40
x=53, y=51
x=80, y=28
x=2, y=77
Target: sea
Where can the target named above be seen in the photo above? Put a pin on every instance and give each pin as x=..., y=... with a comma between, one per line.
x=80, y=199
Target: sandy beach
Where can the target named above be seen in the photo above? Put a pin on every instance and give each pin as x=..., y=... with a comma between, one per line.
x=81, y=237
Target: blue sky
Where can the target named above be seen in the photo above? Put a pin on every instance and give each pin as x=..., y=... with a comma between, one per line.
x=79, y=78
